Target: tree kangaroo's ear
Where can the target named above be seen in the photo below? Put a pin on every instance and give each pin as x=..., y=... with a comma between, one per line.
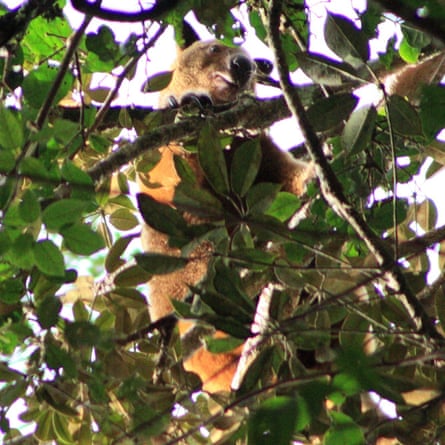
x=188, y=35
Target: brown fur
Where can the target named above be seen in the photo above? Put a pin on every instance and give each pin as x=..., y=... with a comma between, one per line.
x=409, y=80
x=205, y=68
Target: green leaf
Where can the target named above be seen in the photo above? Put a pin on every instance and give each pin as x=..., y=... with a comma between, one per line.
x=64, y=212
x=227, y=324
x=11, y=291
x=45, y=38
x=254, y=259
x=123, y=219
x=29, y=207
x=157, y=82
x=11, y=129
x=284, y=206
x=45, y=430
x=82, y=333
x=325, y=71
x=81, y=239
x=220, y=345
x=346, y=40
x=98, y=143
x=34, y=168
x=359, y=128
x=327, y=113
x=432, y=104
x=403, y=117
x=381, y=214
x=60, y=425
x=408, y=53
x=37, y=84
x=21, y=252
x=226, y=307
x=76, y=176
x=343, y=431
x=228, y=283
x=273, y=422
x=48, y=312
x=211, y=159
x=103, y=44
x=415, y=38
x=56, y=358
x=245, y=166
x=49, y=259
x=113, y=260
x=7, y=160
x=132, y=276
x=260, y=197
x=198, y=201
x=158, y=264
x=161, y=217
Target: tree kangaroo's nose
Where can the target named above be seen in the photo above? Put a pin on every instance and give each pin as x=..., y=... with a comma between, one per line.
x=241, y=68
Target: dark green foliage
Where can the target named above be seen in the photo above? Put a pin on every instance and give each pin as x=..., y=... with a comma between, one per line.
x=77, y=347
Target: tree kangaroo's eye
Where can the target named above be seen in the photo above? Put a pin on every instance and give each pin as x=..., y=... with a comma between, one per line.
x=213, y=49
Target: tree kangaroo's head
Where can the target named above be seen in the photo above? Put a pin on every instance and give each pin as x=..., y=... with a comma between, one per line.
x=213, y=69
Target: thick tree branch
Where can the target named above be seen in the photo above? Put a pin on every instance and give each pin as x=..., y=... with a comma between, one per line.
x=331, y=187
x=249, y=114
x=421, y=243
x=160, y=8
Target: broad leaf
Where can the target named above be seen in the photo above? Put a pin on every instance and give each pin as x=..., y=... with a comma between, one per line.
x=49, y=259
x=332, y=111
x=211, y=159
x=157, y=263
x=346, y=40
x=81, y=239
x=325, y=71
x=161, y=217
x=403, y=117
x=274, y=422
x=359, y=128
x=245, y=166
x=64, y=212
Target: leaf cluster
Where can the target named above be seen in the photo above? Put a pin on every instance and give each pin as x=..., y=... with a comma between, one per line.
x=95, y=368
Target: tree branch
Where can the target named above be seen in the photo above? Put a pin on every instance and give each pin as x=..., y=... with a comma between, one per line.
x=249, y=114
x=331, y=188
x=95, y=9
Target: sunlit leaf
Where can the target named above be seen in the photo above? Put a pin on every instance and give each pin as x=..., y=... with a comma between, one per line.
x=11, y=129
x=123, y=219
x=49, y=259
x=81, y=239
x=61, y=213
x=37, y=85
